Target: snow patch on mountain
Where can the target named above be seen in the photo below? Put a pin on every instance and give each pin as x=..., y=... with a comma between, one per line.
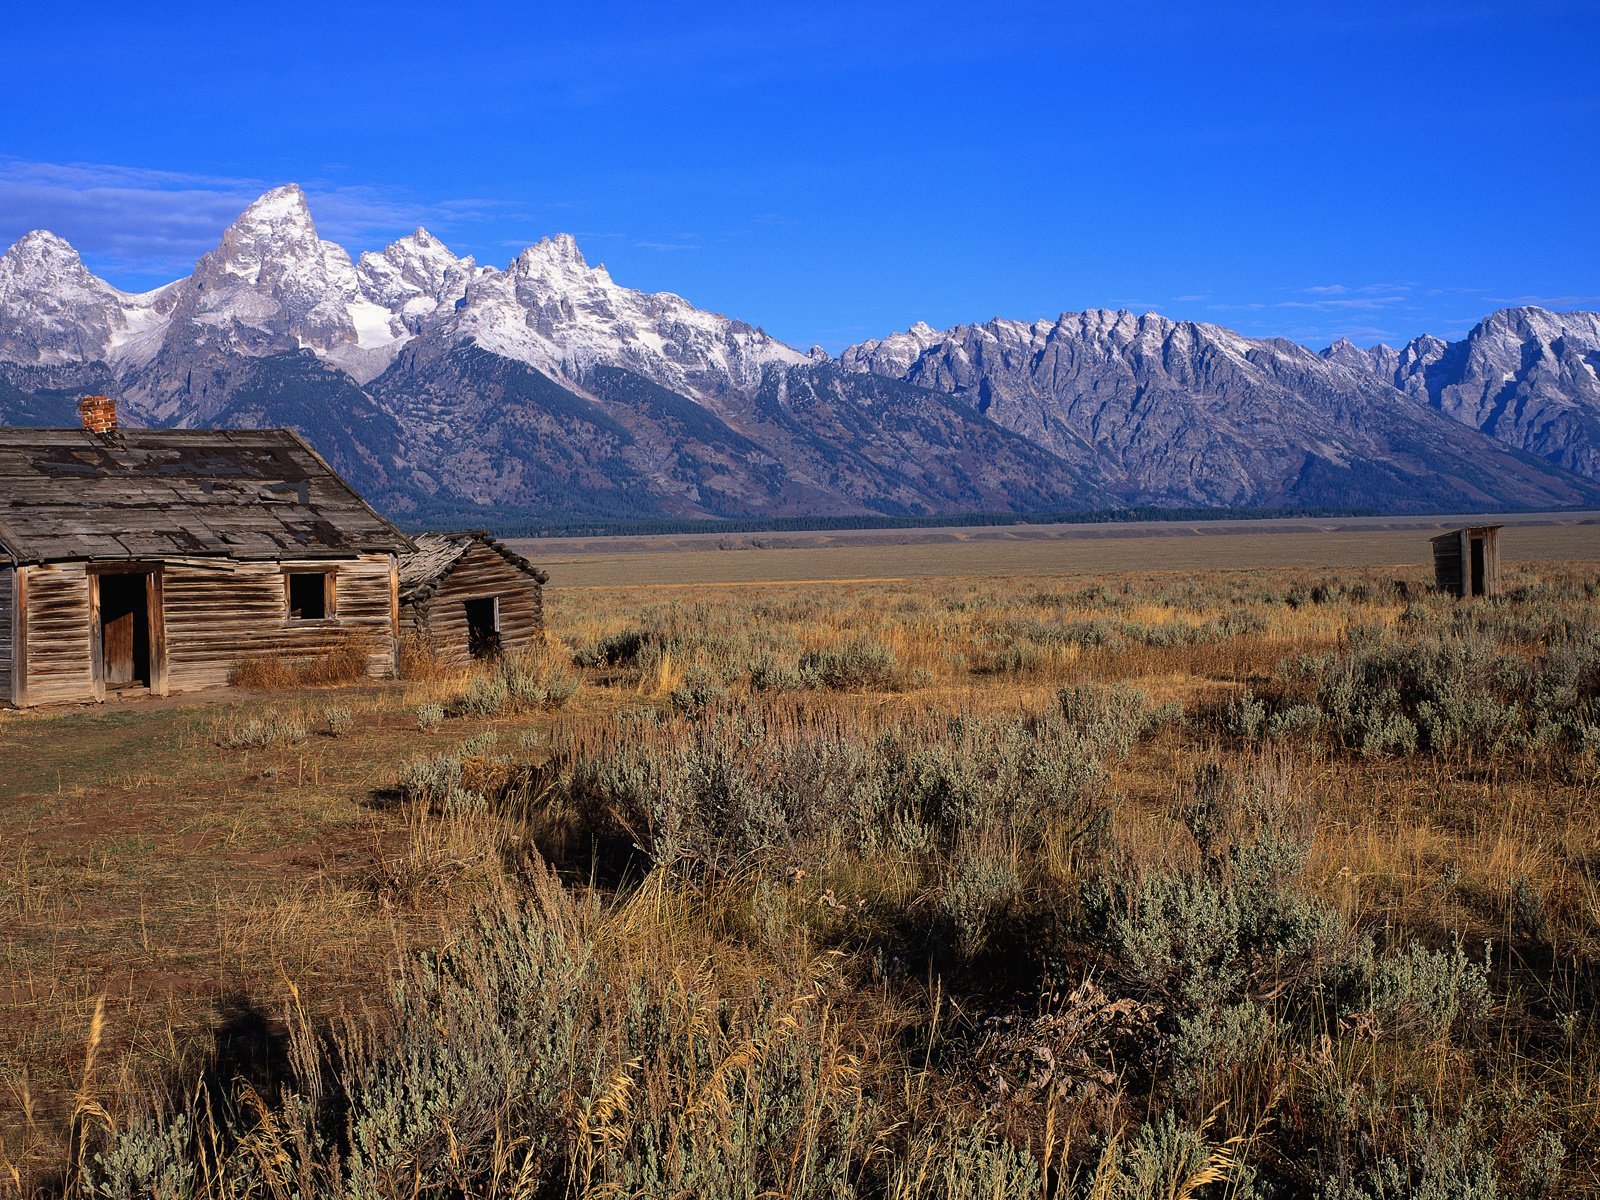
x=416, y=277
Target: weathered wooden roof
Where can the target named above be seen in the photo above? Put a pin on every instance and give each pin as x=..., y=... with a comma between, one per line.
x=153, y=494
x=1470, y=531
x=436, y=554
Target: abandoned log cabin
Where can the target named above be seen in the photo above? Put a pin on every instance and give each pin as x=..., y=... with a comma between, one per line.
x=465, y=595
x=156, y=560
x=1466, y=562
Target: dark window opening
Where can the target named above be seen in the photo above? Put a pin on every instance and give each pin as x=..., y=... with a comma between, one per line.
x=483, y=626
x=125, y=630
x=308, y=595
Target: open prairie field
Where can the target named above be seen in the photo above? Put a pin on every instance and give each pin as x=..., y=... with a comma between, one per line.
x=1080, y=866
x=1010, y=550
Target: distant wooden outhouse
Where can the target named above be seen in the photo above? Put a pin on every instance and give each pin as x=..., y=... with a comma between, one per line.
x=154, y=561
x=466, y=596
x=1466, y=562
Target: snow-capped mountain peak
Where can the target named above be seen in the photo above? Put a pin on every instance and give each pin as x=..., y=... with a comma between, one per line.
x=415, y=277
x=273, y=285
x=559, y=251
x=54, y=310
x=554, y=311
x=39, y=256
x=272, y=241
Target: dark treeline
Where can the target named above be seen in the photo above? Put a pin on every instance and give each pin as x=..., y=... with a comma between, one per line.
x=510, y=523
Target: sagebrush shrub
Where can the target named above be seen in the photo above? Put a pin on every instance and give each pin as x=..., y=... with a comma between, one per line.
x=516, y=683
x=429, y=717
x=1441, y=1162
x=980, y=884
x=862, y=665
x=1425, y=994
x=711, y=788
x=272, y=727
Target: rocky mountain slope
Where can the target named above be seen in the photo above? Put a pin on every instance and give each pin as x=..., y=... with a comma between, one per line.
x=546, y=387
x=1525, y=376
x=1177, y=412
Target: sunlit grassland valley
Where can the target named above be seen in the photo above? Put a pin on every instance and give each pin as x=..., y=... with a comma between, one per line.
x=1239, y=881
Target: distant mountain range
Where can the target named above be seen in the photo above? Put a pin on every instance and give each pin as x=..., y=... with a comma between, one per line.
x=546, y=389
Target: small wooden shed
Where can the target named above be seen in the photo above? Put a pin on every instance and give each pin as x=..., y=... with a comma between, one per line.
x=466, y=595
x=1466, y=562
x=153, y=561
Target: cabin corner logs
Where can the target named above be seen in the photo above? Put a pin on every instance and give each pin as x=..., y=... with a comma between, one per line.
x=142, y=561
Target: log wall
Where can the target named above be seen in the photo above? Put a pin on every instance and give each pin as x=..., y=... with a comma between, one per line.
x=441, y=618
x=210, y=615
x=8, y=604
x=218, y=614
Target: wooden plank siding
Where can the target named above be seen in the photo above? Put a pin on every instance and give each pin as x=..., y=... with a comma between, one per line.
x=1447, y=563
x=220, y=613
x=8, y=635
x=480, y=573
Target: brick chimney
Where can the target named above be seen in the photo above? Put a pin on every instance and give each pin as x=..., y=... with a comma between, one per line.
x=99, y=413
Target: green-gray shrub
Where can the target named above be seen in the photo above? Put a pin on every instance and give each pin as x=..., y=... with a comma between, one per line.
x=273, y=727
x=1425, y=994
x=429, y=717
x=1441, y=1162
x=697, y=690
x=980, y=885
x=516, y=683
x=862, y=665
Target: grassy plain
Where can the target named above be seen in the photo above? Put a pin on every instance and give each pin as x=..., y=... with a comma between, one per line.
x=1002, y=866
x=1014, y=550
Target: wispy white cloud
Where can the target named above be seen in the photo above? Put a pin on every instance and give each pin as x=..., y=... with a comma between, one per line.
x=1343, y=297
x=1359, y=302
x=1537, y=301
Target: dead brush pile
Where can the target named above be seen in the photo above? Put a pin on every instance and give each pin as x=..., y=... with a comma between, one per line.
x=347, y=661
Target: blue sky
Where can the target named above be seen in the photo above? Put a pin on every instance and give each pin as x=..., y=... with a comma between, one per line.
x=834, y=172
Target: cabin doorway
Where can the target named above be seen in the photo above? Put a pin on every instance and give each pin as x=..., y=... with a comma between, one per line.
x=125, y=630
x=483, y=626
x=1477, y=568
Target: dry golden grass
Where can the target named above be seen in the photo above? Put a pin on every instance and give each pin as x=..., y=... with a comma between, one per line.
x=347, y=662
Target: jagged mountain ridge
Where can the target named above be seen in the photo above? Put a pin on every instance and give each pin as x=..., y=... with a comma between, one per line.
x=1176, y=412
x=1525, y=376
x=546, y=386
